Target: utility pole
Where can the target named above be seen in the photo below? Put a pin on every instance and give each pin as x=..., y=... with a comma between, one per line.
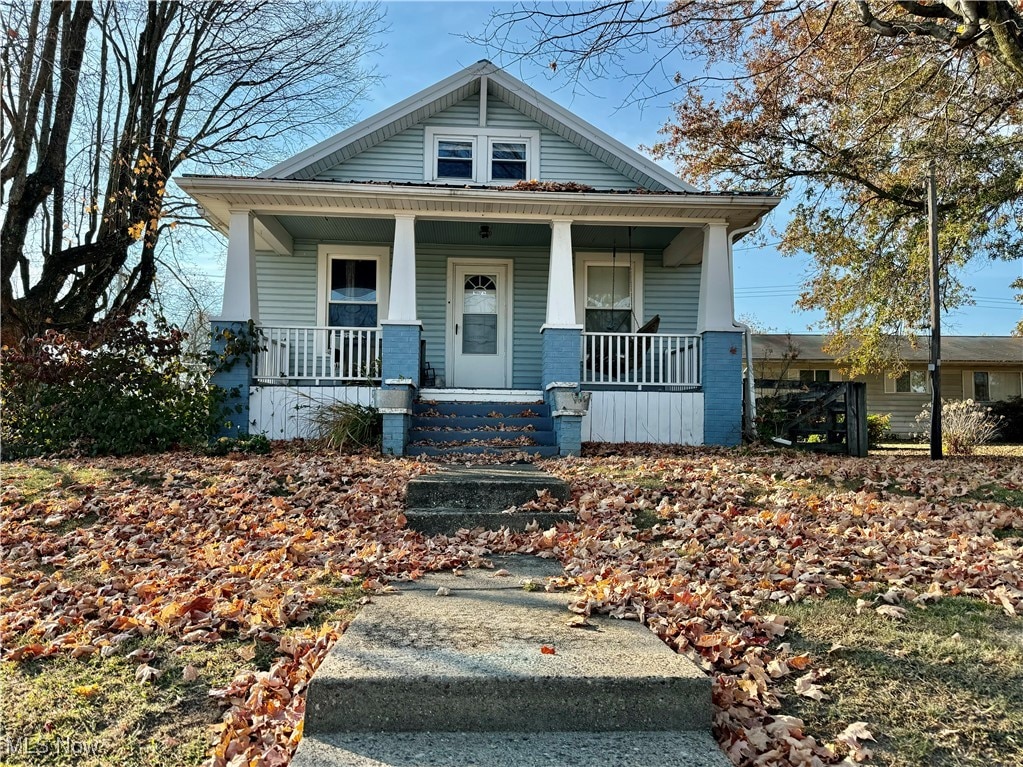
x=935, y=365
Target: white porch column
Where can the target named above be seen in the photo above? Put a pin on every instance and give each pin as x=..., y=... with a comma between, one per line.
x=240, y=298
x=402, y=304
x=561, y=278
x=717, y=304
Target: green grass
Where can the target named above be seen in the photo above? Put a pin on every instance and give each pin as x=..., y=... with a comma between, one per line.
x=33, y=482
x=944, y=687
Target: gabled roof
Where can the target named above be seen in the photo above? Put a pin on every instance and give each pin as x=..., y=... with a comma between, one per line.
x=308, y=164
x=809, y=348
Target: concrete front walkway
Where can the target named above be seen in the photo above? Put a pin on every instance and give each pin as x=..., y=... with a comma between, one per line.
x=486, y=669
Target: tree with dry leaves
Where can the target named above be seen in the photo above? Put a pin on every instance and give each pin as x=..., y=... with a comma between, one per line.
x=103, y=102
x=842, y=105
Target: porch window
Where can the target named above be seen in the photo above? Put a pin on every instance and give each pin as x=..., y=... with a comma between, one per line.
x=911, y=382
x=989, y=386
x=455, y=158
x=608, y=299
x=508, y=160
x=352, y=300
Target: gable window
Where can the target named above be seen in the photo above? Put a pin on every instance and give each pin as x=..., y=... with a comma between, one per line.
x=508, y=160
x=989, y=386
x=352, y=286
x=481, y=155
x=455, y=158
x=910, y=382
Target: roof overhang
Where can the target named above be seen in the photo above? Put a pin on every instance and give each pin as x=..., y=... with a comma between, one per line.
x=268, y=197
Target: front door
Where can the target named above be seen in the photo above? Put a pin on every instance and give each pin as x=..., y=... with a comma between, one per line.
x=479, y=332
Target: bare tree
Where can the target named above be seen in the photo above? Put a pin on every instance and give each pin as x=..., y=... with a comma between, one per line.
x=103, y=102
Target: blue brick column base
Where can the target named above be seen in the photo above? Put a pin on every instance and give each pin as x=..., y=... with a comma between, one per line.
x=568, y=431
x=395, y=434
x=722, y=388
x=400, y=353
x=560, y=357
x=233, y=375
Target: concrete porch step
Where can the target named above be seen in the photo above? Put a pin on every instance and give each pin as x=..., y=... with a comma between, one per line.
x=427, y=409
x=495, y=653
x=483, y=488
x=510, y=749
x=447, y=521
x=542, y=451
x=469, y=423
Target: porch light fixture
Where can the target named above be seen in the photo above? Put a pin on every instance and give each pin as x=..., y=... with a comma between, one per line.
x=484, y=232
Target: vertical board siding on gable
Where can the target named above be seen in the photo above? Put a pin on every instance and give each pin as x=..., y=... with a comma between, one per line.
x=287, y=286
x=672, y=292
x=529, y=305
x=560, y=159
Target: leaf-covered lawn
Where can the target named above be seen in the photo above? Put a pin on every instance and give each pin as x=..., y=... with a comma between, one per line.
x=168, y=572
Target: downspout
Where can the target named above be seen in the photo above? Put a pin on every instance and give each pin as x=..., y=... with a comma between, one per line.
x=749, y=399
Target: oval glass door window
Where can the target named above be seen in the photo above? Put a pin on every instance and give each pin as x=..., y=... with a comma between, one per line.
x=479, y=315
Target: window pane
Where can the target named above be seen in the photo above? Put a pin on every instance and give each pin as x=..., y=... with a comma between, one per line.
x=902, y=383
x=508, y=161
x=822, y=376
x=454, y=159
x=918, y=381
x=1003, y=385
x=608, y=287
x=353, y=279
x=479, y=334
x=806, y=376
x=608, y=321
x=480, y=295
x=352, y=315
x=980, y=387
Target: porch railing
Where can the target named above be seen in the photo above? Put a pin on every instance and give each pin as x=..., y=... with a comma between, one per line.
x=641, y=359
x=297, y=354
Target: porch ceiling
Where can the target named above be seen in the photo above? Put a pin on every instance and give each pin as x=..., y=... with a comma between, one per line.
x=502, y=233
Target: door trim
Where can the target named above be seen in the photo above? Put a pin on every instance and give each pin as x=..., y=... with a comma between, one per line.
x=509, y=314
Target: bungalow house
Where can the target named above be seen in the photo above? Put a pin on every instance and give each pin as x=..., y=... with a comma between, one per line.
x=981, y=368
x=478, y=243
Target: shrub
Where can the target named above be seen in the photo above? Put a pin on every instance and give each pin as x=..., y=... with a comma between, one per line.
x=878, y=427
x=964, y=425
x=344, y=426
x=251, y=443
x=122, y=389
x=1010, y=411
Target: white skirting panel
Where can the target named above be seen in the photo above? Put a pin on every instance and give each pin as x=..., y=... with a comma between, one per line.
x=671, y=418
x=283, y=412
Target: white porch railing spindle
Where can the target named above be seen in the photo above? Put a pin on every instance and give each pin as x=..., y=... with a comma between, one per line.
x=302, y=354
x=647, y=359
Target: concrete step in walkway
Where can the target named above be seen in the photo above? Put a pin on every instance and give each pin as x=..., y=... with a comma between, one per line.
x=458, y=497
x=460, y=677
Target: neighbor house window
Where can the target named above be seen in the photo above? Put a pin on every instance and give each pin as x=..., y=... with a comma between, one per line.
x=989, y=386
x=911, y=382
x=508, y=160
x=814, y=376
x=455, y=158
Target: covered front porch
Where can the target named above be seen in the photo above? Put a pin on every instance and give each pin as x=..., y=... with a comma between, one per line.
x=399, y=288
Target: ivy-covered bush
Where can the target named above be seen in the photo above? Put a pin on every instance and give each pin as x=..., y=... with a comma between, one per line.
x=123, y=389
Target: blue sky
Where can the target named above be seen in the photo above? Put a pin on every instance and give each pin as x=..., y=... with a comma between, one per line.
x=424, y=45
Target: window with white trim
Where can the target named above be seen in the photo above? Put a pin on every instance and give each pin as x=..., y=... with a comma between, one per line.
x=910, y=382
x=609, y=297
x=353, y=286
x=481, y=155
x=814, y=375
x=992, y=385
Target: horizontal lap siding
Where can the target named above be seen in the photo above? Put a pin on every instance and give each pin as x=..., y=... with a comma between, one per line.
x=287, y=286
x=673, y=293
x=399, y=158
x=431, y=303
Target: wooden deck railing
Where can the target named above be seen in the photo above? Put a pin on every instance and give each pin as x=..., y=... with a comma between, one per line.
x=647, y=359
x=300, y=354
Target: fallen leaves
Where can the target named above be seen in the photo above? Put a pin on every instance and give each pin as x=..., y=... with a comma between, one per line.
x=548, y=649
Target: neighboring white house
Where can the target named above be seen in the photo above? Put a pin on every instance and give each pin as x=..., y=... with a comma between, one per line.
x=524, y=246
x=981, y=368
